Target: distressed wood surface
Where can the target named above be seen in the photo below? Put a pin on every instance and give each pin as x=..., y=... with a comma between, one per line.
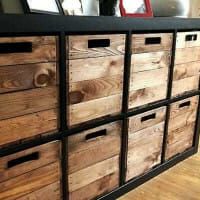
x=93, y=173
x=150, y=61
x=83, y=153
x=90, y=110
x=27, y=183
x=139, y=46
x=48, y=153
x=78, y=46
x=43, y=50
x=136, y=123
x=21, y=77
x=26, y=102
x=144, y=150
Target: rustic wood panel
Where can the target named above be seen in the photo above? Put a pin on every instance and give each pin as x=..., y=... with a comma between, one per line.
x=93, y=89
x=26, y=102
x=147, y=95
x=93, y=173
x=99, y=187
x=48, y=153
x=21, y=77
x=144, y=150
x=139, y=42
x=28, y=126
x=43, y=50
x=86, y=111
x=181, y=41
x=136, y=123
x=185, y=85
x=79, y=48
x=150, y=61
x=94, y=68
x=83, y=153
x=27, y=183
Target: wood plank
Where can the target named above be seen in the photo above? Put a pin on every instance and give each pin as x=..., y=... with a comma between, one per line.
x=144, y=150
x=185, y=85
x=28, y=126
x=141, y=80
x=86, y=111
x=82, y=153
x=30, y=182
x=48, y=153
x=21, y=77
x=139, y=42
x=93, y=173
x=136, y=123
x=26, y=102
x=97, y=188
x=79, y=48
x=93, y=89
x=150, y=61
x=147, y=95
x=94, y=68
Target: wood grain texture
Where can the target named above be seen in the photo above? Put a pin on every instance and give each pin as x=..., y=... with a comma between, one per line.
x=97, y=188
x=27, y=183
x=26, y=102
x=82, y=152
x=27, y=126
x=93, y=173
x=150, y=61
x=48, y=153
x=78, y=46
x=43, y=50
x=90, y=110
x=21, y=77
x=144, y=150
x=139, y=46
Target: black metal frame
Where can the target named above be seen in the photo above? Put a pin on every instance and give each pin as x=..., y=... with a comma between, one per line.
x=19, y=25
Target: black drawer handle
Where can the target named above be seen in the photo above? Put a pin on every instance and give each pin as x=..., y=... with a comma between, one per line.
x=16, y=47
x=185, y=104
x=152, y=40
x=191, y=37
x=95, y=135
x=98, y=43
x=148, y=117
x=24, y=159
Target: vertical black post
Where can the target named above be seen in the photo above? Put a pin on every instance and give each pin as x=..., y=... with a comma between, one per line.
x=124, y=136
x=169, y=92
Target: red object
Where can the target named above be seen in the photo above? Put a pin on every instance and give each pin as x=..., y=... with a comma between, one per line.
x=147, y=13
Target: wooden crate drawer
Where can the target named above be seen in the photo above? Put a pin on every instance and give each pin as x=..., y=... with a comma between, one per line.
x=23, y=50
x=31, y=173
x=95, y=88
x=93, y=161
x=151, y=42
x=92, y=46
x=181, y=126
x=145, y=142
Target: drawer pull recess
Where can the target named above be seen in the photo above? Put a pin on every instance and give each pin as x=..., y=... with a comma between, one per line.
x=153, y=40
x=191, y=37
x=24, y=159
x=148, y=117
x=17, y=47
x=95, y=135
x=185, y=104
x=98, y=43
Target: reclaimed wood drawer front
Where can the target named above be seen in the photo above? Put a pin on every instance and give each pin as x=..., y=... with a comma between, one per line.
x=31, y=173
x=181, y=126
x=91, y=46
x=24, y=50
x=145, y=142
x=95, y=88
x=151, y=42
